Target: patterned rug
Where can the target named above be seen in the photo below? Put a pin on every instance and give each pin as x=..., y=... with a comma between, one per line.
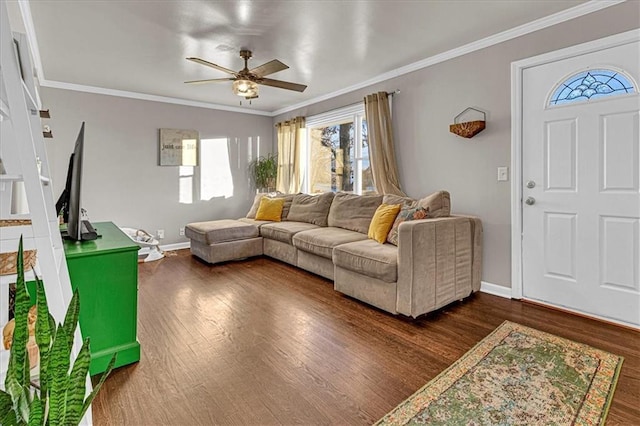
x=517, y=376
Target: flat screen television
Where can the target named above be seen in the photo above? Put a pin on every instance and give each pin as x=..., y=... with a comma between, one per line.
x=69, y=203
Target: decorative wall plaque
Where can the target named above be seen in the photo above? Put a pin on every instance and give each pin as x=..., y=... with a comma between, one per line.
x=178, y=147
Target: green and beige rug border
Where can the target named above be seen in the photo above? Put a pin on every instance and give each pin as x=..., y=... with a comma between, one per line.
x=593, y=410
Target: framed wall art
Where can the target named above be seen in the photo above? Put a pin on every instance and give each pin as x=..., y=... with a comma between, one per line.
x=178, y=147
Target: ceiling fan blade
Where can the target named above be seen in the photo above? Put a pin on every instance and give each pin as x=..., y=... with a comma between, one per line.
x=282, y=84
x=211, y=64
x=210, y=80
x=269, y=68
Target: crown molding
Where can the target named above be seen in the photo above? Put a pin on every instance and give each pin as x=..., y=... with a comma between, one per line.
x=147, y=97
x=530, y=27
x=539, y=24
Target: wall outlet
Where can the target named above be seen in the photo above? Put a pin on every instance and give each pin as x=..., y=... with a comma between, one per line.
x=160, y=233
x=182, y=231
x=503, y=174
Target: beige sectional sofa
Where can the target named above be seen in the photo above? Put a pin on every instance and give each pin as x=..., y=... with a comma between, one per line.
x=436, y=261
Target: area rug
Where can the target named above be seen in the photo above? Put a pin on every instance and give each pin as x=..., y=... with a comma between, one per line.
x=517, y=376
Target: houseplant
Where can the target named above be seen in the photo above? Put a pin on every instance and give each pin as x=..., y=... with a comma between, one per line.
x=264, y=171
x=60, y=397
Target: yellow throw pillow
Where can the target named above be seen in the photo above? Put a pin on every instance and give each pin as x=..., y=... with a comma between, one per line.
x=383, y=221
x=270, y=209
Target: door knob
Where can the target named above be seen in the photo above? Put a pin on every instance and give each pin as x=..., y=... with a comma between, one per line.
x=531, y=184
x=530, y=201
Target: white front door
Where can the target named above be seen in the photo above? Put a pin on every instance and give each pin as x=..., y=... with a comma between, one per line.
x=581, y=184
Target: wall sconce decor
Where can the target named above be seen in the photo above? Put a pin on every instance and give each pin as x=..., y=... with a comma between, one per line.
x=468, y=129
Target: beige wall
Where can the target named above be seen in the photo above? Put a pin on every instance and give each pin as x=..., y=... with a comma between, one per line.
x=122, y=181
x=431, y=158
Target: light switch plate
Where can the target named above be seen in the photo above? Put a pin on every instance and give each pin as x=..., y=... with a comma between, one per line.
x=503, y=174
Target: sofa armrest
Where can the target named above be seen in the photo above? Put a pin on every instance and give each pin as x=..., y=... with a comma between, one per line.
x=439, y=261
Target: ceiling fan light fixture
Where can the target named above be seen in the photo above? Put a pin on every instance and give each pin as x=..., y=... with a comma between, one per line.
x=245, y=88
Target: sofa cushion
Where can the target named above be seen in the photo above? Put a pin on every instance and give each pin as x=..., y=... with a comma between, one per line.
x=311, y=208
x=368, y=258
x=257, y=223
x=383, y=221
x=397, y=199
x=288, y=199
x=284, y=231
x=438, y=204
x=321, y=241
x=270, y=209
x=251, y=214
x=405, y=215
x=219, y=231
x=353, y=212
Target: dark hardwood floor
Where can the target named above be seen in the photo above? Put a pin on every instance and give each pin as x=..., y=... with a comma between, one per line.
x=261, y=342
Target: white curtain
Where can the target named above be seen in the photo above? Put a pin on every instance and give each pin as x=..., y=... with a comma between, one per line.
x=382, y=154
x=290, y=141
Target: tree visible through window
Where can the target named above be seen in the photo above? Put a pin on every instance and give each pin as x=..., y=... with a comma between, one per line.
x=339, y=155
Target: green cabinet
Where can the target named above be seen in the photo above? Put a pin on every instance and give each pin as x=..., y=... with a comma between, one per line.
x=105, y=272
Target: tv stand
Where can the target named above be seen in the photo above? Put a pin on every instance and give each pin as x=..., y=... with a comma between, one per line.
x=105, y=273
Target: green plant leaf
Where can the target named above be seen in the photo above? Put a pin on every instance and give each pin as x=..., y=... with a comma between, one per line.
x=77, y=385
x=13, y=390
x=36, y=412
x=7, y=414
x=265, y=170
x=58, y=372
x=52, y=326
x=27, y=393
x=71, y=318
x=19, y=399
x=43, y=335
x=8, y=418
x=97, y=387
x=6, y=403
x=47, y=378
x=16, y=368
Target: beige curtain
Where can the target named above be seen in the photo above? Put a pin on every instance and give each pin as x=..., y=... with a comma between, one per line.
x=382, y=153
x=290, y=142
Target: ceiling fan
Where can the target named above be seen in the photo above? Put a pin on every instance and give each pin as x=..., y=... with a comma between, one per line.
x=245, y=81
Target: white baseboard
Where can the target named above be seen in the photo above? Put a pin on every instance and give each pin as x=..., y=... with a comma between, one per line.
x=496, y=290
x=175, y=246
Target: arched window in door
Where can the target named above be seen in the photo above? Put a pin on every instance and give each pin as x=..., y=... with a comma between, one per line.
x=591, y=84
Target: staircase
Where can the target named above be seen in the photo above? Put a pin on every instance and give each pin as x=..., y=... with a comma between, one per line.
x=27, y=205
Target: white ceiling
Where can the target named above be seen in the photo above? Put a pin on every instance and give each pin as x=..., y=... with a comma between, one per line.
x=140, y=46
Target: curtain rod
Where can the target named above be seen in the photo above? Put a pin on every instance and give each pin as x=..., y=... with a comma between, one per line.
x=394, y=92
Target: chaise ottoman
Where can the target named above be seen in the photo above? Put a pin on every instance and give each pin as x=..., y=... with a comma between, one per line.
x=222, y=240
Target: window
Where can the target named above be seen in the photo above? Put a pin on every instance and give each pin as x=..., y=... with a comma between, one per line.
x=338, y=152
x=185, y=184
x=213, y=177
x=215, y=169
x=591, y=84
